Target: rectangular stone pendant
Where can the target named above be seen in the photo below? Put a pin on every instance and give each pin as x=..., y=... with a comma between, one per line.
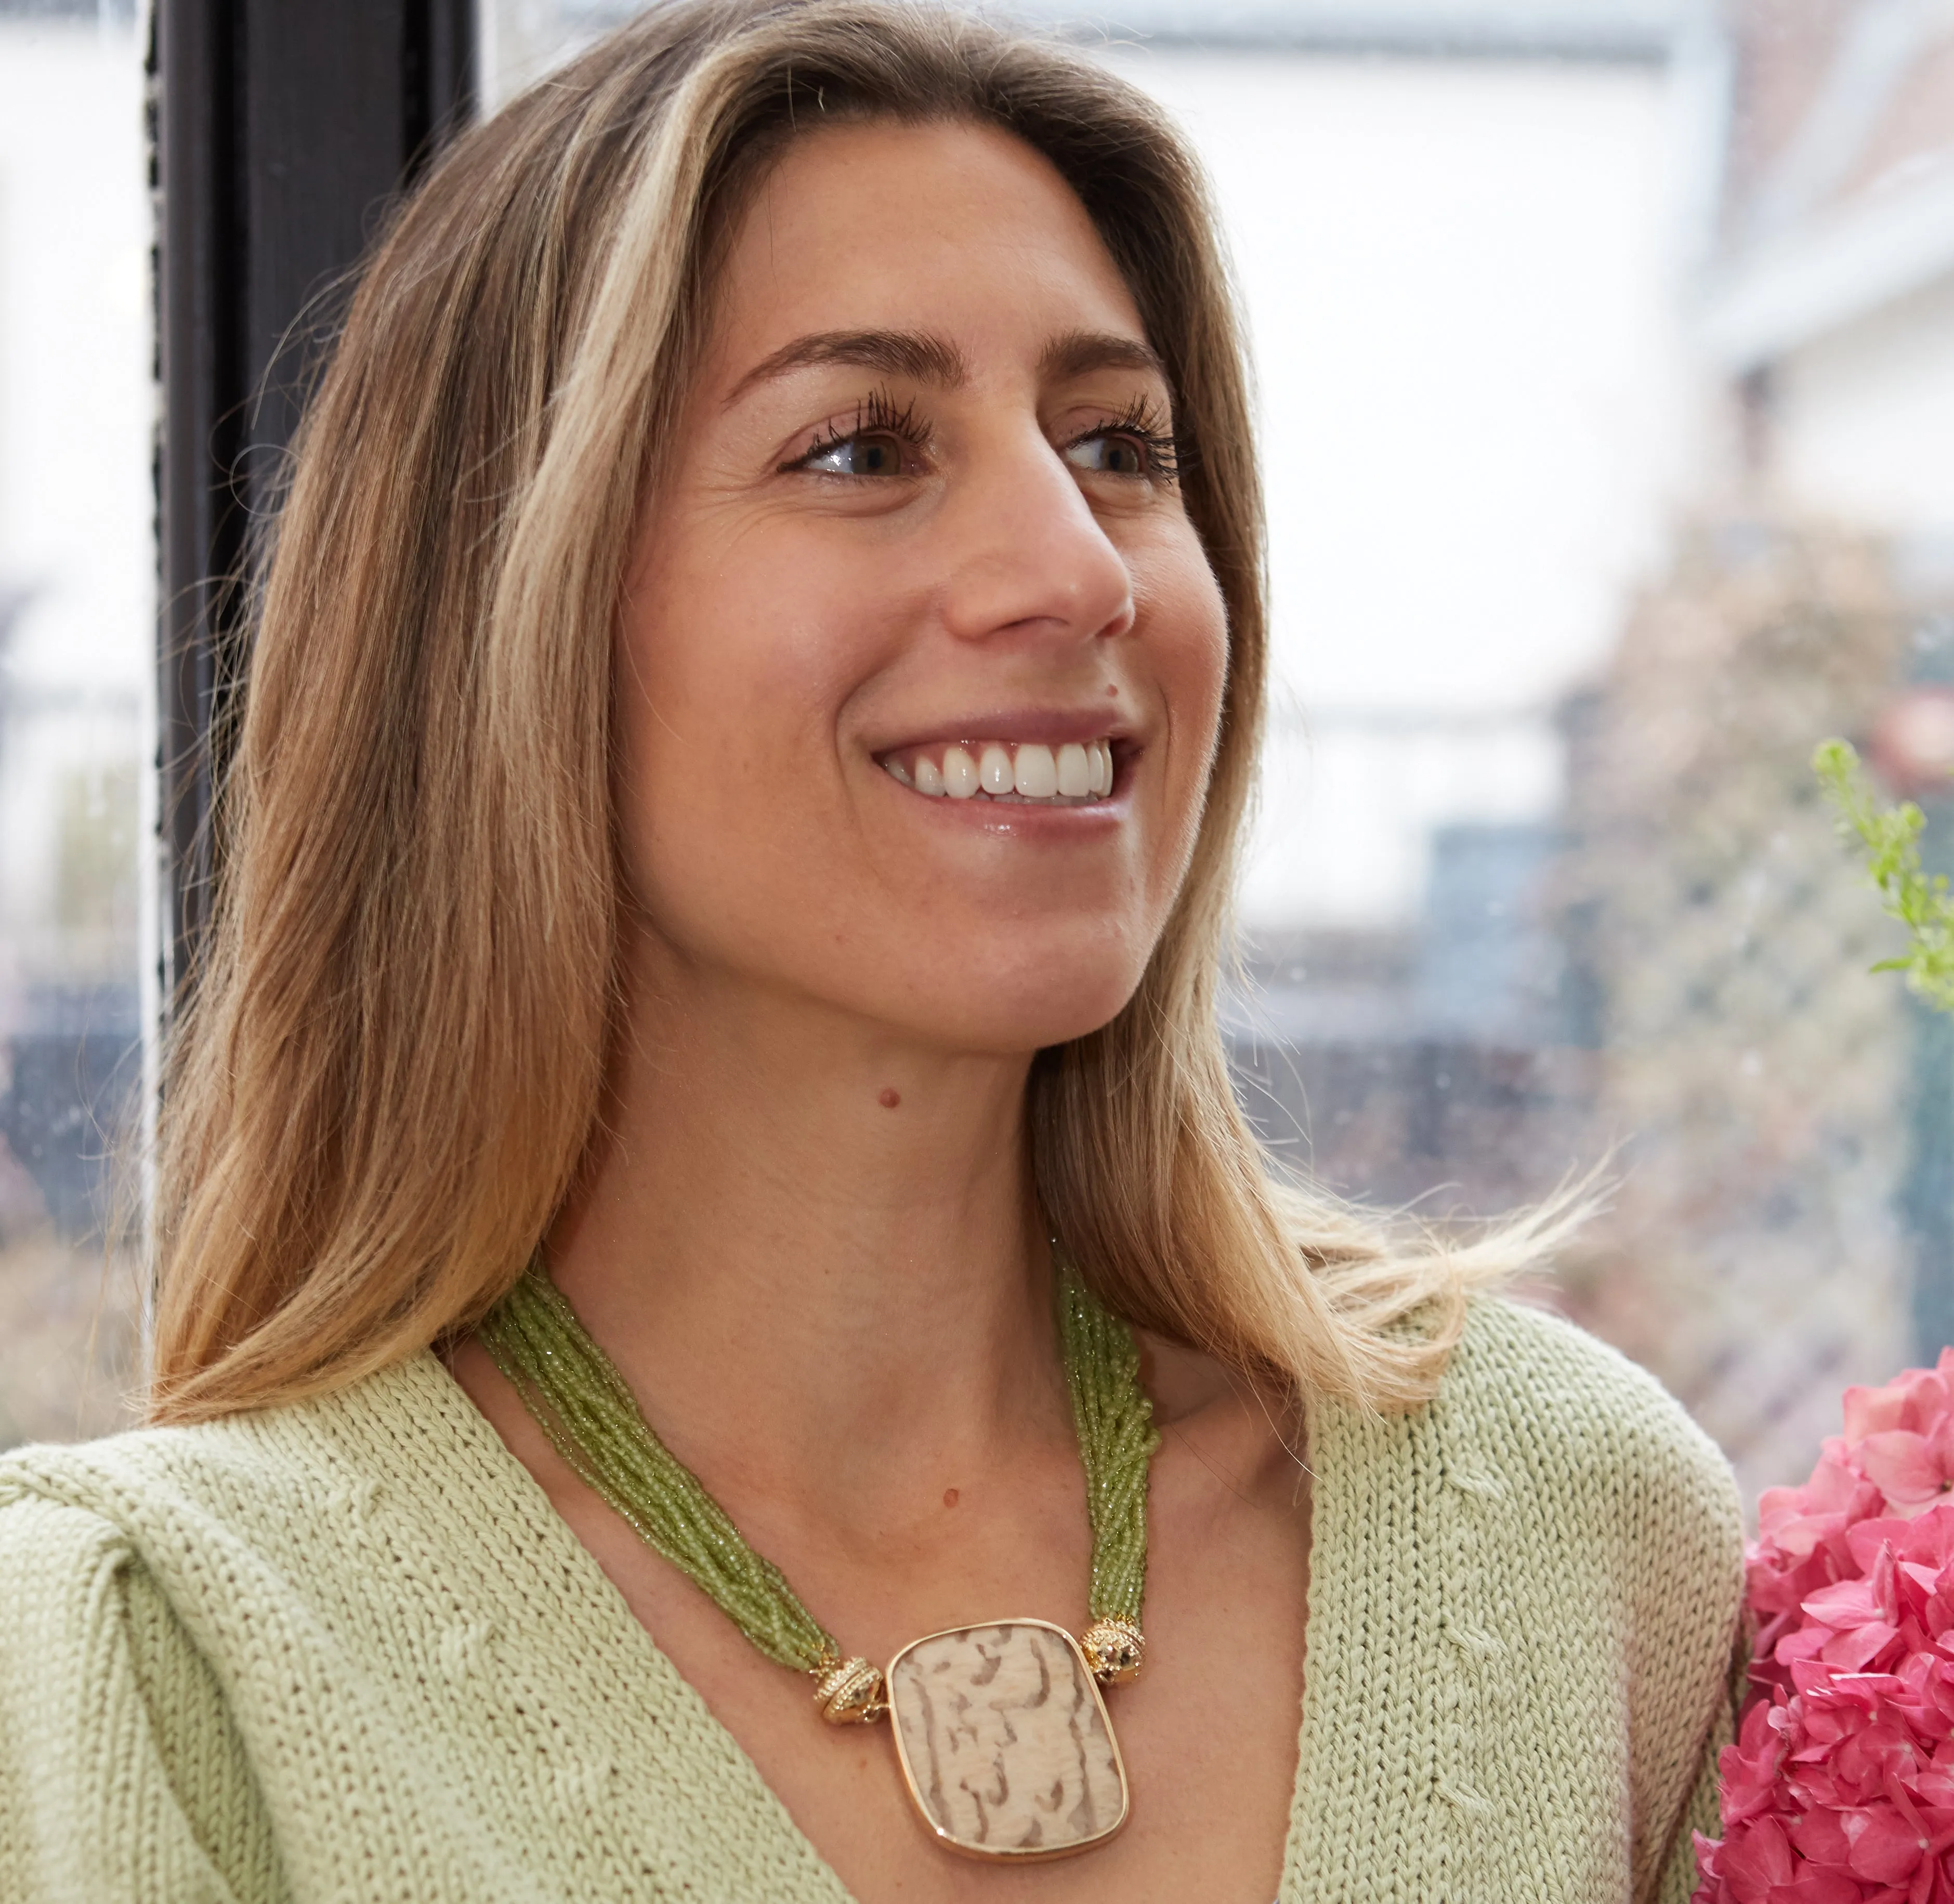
x=1004, y=1741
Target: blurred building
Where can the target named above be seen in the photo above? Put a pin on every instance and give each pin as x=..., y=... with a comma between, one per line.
x=77, y=623
x=1679, y=979
x=1787, y=1223
x=1831, y=301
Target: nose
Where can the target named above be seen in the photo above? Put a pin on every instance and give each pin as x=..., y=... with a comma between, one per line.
x=1027, y=556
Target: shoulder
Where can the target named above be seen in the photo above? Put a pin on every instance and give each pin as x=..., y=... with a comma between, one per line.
x=56, y=1558
x=1592, y=1469
x=1613, y=1523
x=1549, y=1551
x=157, y=1518
x=69, y=1509
x=168, y=1487
x=1553, y=1405
x=110, y=1710
x=242, y=1467
x=273, y=1494
x=1574, y=1463
x=164, y=1593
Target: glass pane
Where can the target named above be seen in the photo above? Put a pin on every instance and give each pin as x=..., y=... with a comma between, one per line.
x=1606, y=370
x=77, y=636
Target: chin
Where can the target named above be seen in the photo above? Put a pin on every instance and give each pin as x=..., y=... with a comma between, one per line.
x=1039, y=1010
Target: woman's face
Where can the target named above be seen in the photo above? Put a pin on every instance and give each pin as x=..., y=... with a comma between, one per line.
x=921, y=663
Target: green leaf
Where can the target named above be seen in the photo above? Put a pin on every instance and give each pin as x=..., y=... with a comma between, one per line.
x=1889, y=837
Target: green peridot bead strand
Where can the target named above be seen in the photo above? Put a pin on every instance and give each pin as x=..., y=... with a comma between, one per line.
x=581, y=1402
x=1116, y=1441
x=583, y=1406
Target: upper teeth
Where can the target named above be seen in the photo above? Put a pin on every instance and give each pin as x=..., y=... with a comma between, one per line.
x=1029, y=771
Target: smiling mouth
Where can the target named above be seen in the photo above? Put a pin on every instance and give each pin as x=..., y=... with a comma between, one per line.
x=1027, y=772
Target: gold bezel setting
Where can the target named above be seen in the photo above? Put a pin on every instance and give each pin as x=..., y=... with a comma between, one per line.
x=1006, y=1854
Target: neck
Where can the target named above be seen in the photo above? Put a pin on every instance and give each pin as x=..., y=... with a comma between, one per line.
x=812, y=1288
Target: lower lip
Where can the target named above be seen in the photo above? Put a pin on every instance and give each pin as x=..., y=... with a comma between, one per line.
x=1024, y=819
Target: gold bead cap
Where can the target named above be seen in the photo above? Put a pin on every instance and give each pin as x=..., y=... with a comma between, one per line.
x=1115, y=1649
x=849, y=1693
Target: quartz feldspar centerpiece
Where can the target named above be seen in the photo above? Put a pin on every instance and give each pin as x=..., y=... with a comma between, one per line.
x=1004, y=1740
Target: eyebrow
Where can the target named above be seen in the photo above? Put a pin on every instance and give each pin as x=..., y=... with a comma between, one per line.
x=914, y=354
x=925, y=359
x=1078, y=352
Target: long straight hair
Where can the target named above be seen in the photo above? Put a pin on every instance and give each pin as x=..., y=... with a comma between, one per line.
x=382, y=1090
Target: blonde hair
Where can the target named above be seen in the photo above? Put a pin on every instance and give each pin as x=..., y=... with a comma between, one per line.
x=381, y=1091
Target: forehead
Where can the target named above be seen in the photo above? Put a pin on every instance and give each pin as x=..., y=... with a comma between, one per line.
x=958, y=230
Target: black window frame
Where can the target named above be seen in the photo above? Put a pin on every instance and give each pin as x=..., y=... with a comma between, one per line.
x=281, y=133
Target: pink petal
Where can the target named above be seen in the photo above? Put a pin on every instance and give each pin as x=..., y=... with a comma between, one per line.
x=1821, y=1837
x=1755, y=1861
x=1857, y=1646
x=1869, y=1410
x=1827, y=1887
x=1864, y=1538
x=1901, y=1465
x=1930, y=1538
x=1886, y=1848
x=1849, y=1603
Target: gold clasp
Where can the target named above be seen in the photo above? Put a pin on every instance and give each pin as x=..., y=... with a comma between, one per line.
x=849, y=1693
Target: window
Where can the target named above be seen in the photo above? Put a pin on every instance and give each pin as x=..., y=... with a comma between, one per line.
x=1606, y=362
x=77, y=616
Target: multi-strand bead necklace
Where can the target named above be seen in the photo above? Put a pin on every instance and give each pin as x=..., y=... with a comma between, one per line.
x=1001, y=1733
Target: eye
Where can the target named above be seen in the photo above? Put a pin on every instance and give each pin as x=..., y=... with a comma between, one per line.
x=1109, y=453
x=884, y=439
x=866, y=453
x=1138, y=445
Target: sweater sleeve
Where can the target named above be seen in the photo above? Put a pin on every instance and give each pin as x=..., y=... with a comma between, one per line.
x=1702, y=1811
x=1680, y=1878
x=122, y=1779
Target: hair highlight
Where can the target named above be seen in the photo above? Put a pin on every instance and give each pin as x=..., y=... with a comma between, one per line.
x=380, y=1090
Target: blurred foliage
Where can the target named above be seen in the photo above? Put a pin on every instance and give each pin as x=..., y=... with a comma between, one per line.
x=1891, y=836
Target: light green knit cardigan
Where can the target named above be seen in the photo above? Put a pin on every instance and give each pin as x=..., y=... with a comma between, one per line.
x=346, y=1651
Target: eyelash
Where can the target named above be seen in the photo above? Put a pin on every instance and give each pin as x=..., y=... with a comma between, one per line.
x=878, y=415
x=1142, y=421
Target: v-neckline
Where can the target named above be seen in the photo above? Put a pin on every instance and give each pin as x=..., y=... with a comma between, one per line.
x=580, y=1569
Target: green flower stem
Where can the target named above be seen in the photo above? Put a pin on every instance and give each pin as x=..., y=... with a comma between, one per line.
x=1890, y=836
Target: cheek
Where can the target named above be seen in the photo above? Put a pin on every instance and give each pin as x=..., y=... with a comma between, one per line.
x=1191, y=662
x=736, y=662
x=725, y=721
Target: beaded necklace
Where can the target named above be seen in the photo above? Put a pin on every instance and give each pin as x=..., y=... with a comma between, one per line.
x=1001, y=1733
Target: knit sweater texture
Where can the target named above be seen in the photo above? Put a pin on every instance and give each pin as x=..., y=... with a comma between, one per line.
x=346, y=1651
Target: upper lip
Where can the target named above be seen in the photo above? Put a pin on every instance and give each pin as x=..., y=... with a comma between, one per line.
x=1053, y=726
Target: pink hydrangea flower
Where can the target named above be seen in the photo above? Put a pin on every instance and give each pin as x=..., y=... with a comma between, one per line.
x=1840, y=1787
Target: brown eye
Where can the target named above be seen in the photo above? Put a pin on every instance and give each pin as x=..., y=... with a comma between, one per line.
x=1109, y=454
x=868, y=453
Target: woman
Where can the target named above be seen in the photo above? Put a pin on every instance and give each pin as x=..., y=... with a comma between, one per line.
x=754, y=696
